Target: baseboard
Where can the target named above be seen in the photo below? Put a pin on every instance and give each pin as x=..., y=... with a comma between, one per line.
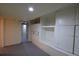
x=12, y=45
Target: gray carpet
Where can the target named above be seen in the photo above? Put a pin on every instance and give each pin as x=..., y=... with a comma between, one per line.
x=26, y=49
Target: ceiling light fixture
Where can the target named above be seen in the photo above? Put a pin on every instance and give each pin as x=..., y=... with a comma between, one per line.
x=31, y=9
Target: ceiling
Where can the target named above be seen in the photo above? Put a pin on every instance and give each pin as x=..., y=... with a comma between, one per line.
x=21, y=9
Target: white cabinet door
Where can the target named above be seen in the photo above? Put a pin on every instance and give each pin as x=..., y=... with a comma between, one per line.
x=65, y=16
x=64, y=38
x=32, y=32
x=48, y=20
x=77, y=32
x=77, y=41
x=77, y=15
x=35, y=29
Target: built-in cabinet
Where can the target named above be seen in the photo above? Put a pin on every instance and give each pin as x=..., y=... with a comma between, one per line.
x=35, y=31
x=65, y=16
x=67, y=29
x=60, y=29
x=47, y=28
x=77, y=15
x=48, y=20
x=57, y=29
x=64, y=38
x=64, y=31
x=76, y=49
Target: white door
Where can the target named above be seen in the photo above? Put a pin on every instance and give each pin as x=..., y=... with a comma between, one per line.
x=24, y=33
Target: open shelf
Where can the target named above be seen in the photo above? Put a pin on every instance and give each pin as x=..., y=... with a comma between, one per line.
x=48, y=26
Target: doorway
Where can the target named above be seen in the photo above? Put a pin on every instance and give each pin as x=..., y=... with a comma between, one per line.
x=24, y=28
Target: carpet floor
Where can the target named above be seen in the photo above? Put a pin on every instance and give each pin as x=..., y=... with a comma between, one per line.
x=25, y=49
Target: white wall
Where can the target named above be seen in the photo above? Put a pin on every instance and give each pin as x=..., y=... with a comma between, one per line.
x=1, y=32
x=12, y=30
